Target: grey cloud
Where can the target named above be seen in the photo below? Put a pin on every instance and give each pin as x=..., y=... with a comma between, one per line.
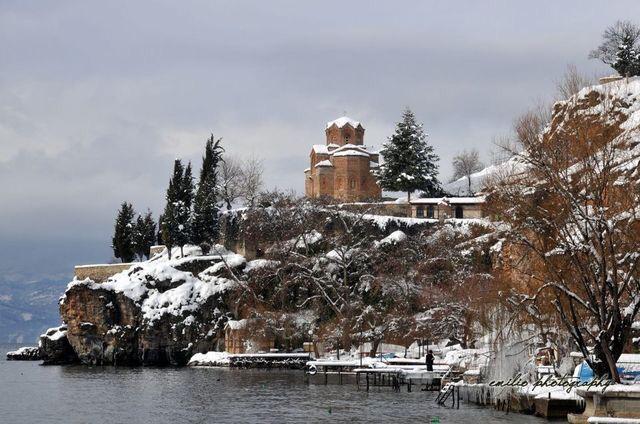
x=97, y=98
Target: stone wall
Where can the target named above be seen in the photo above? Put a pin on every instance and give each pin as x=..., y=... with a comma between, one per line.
x=99, y=272
x=156, y=250
x=444, y=211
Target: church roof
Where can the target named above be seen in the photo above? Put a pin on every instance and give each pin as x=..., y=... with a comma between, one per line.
x=321, y=149
x=342, y=121
x=323, y=163
x=350, y=150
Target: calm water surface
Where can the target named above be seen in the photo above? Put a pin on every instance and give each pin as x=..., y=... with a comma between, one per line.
x=31, y=393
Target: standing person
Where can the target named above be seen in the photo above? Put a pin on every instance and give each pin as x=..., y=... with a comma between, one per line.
x=429, y=360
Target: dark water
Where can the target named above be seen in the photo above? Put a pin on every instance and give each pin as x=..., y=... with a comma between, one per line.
x=30, y=393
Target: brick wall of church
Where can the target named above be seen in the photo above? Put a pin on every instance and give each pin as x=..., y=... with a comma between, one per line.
x=353, y=179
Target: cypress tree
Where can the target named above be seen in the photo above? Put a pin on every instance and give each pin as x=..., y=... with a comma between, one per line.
x=123, y=242
x=409, y=161
x=177, y=213
x=171, y=217
x=159, y=240
x=145, y=235
x=205, y=225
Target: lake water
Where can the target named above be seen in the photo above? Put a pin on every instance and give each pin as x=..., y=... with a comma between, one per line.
x=31, y=393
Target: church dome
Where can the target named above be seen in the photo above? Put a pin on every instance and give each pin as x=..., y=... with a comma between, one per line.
x=342, y=121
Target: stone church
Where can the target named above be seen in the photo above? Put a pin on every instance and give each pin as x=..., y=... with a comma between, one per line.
x=341, y=168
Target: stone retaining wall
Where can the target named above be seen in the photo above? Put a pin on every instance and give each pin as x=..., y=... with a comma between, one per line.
x=99, y=272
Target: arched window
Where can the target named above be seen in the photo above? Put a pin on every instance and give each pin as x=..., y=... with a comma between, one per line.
x=459, y=212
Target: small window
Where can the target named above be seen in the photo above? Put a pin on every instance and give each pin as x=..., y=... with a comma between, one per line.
x=419, y=212
x=352, y=183
x=430, y=211
x=346, y=139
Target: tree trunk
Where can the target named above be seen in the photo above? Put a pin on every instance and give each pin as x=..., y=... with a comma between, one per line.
x=374, y=348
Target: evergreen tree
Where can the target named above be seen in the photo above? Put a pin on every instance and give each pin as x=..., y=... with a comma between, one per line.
x=175, y=214
x=185, y=201
x=145, y=235
x=620, y=48
x=409, y=162
x=123, y=242
x=159, y=240
x=205, y=226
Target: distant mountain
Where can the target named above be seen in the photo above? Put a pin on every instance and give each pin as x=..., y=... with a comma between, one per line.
x=27, y=308
x=33, y=275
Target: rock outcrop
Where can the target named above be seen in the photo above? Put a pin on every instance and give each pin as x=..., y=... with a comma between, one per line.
x=27, y=353
x=158, y=312
x=55, y=348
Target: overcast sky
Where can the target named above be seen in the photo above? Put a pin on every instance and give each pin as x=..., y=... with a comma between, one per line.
x=98, y=98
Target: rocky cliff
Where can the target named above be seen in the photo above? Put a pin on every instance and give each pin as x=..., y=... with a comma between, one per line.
x=158, y=312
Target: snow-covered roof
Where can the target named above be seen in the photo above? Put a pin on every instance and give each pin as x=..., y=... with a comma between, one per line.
x=350, y=150
x=324, y=163
x=342, y=121
x=373, y=164
x=321, y=149
x=307, y=170
x=450, y=200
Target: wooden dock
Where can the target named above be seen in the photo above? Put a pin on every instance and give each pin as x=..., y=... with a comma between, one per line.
x=295, y=361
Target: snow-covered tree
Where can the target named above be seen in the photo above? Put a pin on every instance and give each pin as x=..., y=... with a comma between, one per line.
x=409, y=161
x=465, y=164
x=123, y=242
x=177, y=212
x=574, y=239
x=145, y=235
x=620, y=48
x=205, y=226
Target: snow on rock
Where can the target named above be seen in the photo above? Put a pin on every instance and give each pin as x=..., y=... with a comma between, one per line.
x=393, y=238
x=155, y=312
x=55, y=348
x=27, y=353
x=307, y=239
x=259, y=264
x=209, y=359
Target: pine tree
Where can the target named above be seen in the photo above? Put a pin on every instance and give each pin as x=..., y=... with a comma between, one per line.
x=627, y=59
x=205, y=226
x=620, y=48
x=409, y=162
x=123, y=242
x=145, y=235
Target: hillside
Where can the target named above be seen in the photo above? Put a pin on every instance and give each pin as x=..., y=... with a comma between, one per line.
x=315, y=277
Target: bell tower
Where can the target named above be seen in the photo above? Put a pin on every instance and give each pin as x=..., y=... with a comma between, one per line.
x=344, y=130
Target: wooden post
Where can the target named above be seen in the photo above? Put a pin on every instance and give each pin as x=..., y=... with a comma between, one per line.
x=409, y=386
x=367, y=374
